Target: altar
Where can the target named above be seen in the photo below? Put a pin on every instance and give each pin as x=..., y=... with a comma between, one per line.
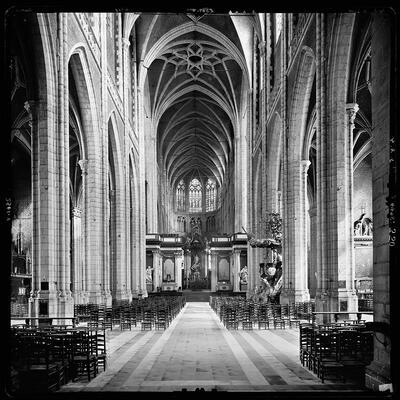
x=192, y=262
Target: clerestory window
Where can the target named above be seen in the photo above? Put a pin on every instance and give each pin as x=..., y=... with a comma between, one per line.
x=211, y=195
x=195, y=194
x=180, y=196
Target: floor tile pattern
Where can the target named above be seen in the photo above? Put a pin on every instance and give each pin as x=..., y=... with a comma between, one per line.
x=197, y=351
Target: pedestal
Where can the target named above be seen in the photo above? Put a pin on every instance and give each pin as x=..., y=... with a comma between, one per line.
x=376, y=374
x=289, y=296
x=348, y=300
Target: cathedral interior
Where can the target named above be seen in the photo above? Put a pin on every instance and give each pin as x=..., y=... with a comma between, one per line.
x=201, y=201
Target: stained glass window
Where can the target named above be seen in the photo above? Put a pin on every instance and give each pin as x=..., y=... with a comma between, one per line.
x=211, y=195
x=278, y=25
x=195, y=193
x=180, y=196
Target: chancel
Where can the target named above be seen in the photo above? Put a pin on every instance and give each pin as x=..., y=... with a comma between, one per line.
x=201, y=200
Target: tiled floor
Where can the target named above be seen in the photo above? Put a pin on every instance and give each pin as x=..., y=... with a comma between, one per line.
x=197, y=351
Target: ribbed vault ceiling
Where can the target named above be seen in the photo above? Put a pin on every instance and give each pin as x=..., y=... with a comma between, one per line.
x=194, y=83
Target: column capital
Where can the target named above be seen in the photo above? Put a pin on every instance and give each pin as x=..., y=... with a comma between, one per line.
x=76, y=212
x=83, y=165
x=126, y=42
x=29, y=106
x=352, y=109
x=305, y=164
x=313, y=211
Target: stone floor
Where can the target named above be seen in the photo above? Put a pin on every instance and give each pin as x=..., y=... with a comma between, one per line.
x=197, y=351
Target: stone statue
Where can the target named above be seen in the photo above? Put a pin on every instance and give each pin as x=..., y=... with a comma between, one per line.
x=149, y=275
x=243, y=274
x=363, y=226
x=358, y=226
x=367, y=226
x=195, y=268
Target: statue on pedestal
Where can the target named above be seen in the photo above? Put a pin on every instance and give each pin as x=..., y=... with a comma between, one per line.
x=149, y=275
x=243, y=274
x=195, y=268
x=270, y=271
x=363, y=226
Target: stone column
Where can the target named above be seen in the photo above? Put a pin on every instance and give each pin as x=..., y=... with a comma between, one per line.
x=84, y=296
x=322, y=182
x=335, y=166
x=51, y=295
x=262, y=101
x=76, y=277
x=312, y=260
x=100, y=290
x=346, y=268
x=385, y=205
x=305, y=164
x=214, y=266
x=294, y=288
x=157, y=277
x=238, y=186
x=128, y=248
x=65, y=301
x=178, y=269
x=208, y=256
x=120, y=291
x=188, y=259
x=44, y=222
x=236, y=269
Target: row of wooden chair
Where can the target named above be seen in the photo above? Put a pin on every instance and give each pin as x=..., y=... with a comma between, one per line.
x=45, y=359
x=337, y=350
x=235, y=312
x=150, y=312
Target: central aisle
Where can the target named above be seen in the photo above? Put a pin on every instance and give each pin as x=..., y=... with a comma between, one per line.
x=197, y=351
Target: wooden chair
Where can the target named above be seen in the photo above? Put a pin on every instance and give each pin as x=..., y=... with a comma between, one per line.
x=101, y=348
x=305, y=338
x=294, y=322
x=262, y=317
x=125, y=321
x=278, y=320
x=40, y=373
x=147, y=321
x=82, y=359
x=325, y=355
x=161, y=321
x=355, y=352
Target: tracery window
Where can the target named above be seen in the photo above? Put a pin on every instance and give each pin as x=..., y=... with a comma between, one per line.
x=180, y=196
x=181, y=223
x=257, y=82
x=211, y=195
x=278, y=25
x=195, y=192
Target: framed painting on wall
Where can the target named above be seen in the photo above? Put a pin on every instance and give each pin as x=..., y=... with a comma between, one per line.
x=168, y=270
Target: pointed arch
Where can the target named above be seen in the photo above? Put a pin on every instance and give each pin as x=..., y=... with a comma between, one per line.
x=300, y=101
x=274, y=161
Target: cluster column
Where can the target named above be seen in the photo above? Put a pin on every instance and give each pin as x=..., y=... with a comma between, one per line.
x=77, y=272
x=236, y=269
x=294, y=288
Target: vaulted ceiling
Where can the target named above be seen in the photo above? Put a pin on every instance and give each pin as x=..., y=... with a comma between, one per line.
x=194, y=81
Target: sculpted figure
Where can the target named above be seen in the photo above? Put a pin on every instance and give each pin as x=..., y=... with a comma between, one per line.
x=243, y=275
x=149, y=276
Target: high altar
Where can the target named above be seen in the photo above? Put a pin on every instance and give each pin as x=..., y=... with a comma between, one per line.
x=175, y=263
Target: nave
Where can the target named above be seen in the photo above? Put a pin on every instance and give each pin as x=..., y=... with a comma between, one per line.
x=236, y=154
x=197, y=352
